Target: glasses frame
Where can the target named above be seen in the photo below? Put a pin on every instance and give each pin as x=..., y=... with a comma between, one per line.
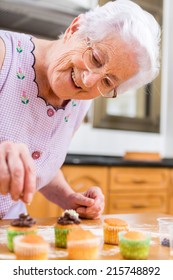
x=90, y=48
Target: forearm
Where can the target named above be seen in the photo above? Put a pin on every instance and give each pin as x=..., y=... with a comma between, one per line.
x=58, y=190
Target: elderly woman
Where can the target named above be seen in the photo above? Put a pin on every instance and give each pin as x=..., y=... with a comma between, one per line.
x=46, y=88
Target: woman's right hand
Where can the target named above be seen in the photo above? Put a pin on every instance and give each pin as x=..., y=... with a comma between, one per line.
x=17, y=171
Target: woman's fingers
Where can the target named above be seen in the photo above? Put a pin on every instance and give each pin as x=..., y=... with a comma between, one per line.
x=4, y=174
x=89, y=204
x=17, y=171
x=93, y=212
x=30, y=175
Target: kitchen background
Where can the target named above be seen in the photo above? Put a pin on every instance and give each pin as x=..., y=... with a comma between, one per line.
x=136, y=121
x=49, y=19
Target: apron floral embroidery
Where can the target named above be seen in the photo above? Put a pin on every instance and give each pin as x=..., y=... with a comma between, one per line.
x=24, y=98
x=19, y=48
x=20, y=74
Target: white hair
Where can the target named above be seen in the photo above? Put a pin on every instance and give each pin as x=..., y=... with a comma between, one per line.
x=137, y=28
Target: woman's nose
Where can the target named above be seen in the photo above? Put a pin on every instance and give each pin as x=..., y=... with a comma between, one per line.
x=89, y=78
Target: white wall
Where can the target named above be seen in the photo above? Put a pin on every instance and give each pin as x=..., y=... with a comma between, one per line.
x=167, y=81
x=90, y=140
x=113, y=142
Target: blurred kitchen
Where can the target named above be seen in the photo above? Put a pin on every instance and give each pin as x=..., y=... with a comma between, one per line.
x=140, y=121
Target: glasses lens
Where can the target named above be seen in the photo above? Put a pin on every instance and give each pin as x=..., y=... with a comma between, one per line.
x=91, y=61
x=106, y=87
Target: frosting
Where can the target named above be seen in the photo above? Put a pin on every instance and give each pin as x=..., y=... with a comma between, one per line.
x=69, y=217
x=24, y=220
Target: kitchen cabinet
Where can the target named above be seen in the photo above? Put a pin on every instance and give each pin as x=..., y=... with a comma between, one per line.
x=138, y=189
x=40, y=207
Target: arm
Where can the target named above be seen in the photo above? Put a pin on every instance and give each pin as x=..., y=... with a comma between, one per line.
x=89, y=204
x=58, y=191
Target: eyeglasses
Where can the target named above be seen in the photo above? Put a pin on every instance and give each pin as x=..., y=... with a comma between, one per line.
x=106, y=86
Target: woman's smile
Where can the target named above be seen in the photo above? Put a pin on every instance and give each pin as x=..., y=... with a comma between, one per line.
x=74, y=79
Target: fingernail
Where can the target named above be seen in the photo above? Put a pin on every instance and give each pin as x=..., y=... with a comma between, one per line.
x=29, y=198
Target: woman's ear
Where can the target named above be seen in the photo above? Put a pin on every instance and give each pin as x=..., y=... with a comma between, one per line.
x=72, y=28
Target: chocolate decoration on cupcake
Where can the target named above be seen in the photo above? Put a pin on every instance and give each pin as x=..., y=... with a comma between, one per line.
x=24, y=220
x=23, y=225
x=69, y=217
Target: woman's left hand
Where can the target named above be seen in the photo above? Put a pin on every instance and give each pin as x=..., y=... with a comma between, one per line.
x=95, y=206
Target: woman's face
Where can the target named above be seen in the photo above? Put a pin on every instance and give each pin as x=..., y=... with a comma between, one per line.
x=69, y=78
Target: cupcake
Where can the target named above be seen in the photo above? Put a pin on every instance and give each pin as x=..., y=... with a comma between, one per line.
x=30, y=247
x=134, y=245
x=23, y=225
x=82, y=245
x=111, y=228
x=67, y=222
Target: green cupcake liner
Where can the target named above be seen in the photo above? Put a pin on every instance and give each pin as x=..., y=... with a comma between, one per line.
x=134, y=249
x=61, y=237
x=12, y=233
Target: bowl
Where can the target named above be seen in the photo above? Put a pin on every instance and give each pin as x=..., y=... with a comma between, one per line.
x=164, y=230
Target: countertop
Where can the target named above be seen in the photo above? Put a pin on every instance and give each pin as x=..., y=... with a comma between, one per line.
x=82, y=159
x=146, y=222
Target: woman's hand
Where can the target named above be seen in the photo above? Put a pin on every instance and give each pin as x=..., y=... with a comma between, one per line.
x=89, y=204
x=17, y=171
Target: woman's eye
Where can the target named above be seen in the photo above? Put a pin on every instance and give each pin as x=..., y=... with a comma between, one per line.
x=107, y=82
x=96, y=61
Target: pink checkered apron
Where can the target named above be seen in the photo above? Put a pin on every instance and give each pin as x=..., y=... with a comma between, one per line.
x=5, y=203
x=27, y=118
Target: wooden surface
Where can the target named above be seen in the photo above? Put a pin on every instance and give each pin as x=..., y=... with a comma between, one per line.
x=144, y=222
x=144, y=156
